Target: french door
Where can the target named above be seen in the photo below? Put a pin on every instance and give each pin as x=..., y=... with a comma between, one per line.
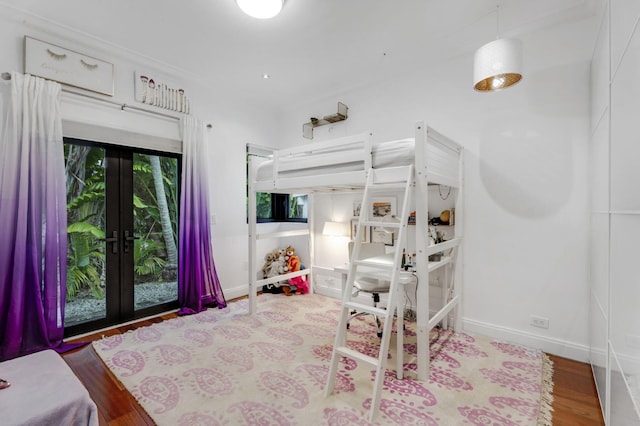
x=122, y=213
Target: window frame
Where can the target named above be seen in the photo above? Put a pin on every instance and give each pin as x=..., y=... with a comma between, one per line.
x=280, y=210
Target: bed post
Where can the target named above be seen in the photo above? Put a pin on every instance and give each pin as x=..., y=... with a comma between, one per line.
x=458, y=277
x=252, y=220
x=422, y=244
x=310, y=239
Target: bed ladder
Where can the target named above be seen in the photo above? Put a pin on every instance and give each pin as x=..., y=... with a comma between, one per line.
x=378, y=180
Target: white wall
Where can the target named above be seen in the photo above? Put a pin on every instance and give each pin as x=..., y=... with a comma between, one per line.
x=615, y=213
x=234, y=125
x=526, y=218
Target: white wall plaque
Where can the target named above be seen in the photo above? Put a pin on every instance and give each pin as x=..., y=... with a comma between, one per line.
x=68, y=67
x=151, y=90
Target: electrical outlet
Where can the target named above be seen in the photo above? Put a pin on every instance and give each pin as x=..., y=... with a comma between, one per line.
x=540, y=322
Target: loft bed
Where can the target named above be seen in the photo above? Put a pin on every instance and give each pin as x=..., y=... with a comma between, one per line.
x=344, y=163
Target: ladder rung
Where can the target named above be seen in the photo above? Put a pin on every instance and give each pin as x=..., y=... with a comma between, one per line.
x=379, y=223
x=378, y=265
x=350, y=353
x=383, y=186
x=382, y=313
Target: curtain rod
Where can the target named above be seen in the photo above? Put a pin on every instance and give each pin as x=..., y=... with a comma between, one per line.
x=7, y=76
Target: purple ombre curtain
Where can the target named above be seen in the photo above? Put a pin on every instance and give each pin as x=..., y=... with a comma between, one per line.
x=198, y=284
x=33, y=216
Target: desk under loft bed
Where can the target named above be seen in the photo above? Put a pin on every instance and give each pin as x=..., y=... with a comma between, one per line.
x=343, y=164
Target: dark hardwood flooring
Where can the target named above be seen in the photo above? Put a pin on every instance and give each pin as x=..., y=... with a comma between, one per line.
x=575, y=400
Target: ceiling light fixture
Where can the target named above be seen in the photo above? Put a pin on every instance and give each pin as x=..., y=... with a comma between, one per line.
x=498, y=64
x=261, y=9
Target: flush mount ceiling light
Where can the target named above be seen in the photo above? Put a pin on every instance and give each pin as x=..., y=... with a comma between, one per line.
x=498, y=64
x=261, y=9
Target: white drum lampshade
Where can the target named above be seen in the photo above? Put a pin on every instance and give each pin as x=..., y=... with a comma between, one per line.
x=334, y=229
x=261, y=9
x=497, y=65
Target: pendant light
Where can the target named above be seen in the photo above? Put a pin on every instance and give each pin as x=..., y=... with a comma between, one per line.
x=261, y=9
x=498, y=64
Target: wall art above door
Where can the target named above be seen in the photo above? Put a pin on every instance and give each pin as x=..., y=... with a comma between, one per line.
x=67, y=67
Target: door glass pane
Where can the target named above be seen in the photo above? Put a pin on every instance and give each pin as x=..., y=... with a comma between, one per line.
x=85, y=233
x=155, y=210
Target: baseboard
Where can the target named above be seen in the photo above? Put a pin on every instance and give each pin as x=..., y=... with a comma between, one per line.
x=549, y=345
x=235, y=292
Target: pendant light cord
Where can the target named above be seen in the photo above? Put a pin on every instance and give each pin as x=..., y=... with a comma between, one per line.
x=444, y=197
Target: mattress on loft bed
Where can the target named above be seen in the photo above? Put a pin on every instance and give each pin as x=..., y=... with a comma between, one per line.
x=385, y=154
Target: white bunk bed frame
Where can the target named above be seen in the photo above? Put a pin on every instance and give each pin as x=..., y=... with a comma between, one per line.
x=437, y=160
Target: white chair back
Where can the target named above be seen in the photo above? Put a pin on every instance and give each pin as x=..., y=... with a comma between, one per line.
x=367, y=250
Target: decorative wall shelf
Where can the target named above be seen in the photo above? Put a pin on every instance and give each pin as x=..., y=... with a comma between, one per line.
x=341, y=115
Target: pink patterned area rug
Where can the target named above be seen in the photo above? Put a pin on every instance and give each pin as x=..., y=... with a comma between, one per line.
x=225, y=367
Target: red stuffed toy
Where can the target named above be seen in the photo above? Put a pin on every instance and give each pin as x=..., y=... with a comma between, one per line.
x=293, y=262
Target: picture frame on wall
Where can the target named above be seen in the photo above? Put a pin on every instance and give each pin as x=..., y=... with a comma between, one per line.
x=383, y=207
x=356, y=208
x=354, y=230
x=380, y=235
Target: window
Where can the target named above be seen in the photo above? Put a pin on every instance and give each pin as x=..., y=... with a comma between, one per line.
x=276, y=207
x=281, y=207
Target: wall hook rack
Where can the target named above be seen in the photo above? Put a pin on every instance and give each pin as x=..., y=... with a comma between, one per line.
x=341, y=115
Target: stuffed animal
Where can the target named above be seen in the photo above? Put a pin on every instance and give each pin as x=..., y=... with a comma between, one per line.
x=301, y=285
x=272, y=267
x=293, y=261
x=294, y=265
x=277, y=267
x=268, y=260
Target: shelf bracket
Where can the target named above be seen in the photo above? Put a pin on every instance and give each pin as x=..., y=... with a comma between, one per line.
x=341, y=115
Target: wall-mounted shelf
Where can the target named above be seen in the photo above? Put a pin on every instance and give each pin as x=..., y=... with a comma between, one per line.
x=341, y=115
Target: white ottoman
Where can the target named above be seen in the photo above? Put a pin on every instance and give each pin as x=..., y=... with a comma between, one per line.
x=44, y=391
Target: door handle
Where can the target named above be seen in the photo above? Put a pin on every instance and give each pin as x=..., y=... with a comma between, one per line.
x=114, y=240
x=127, y=239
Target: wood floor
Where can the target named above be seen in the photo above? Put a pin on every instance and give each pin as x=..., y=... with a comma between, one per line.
x=574, y=396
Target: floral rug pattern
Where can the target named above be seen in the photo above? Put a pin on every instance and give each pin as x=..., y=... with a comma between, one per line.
x=225, y=367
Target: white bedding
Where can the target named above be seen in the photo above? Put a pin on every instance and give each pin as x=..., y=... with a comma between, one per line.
x=385, y=154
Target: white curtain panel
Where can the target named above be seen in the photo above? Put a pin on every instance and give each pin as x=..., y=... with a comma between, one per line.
x=33, y=216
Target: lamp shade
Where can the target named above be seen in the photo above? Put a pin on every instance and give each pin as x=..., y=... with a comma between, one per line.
x=261, y=9
x=497, y=65
x=334, y=229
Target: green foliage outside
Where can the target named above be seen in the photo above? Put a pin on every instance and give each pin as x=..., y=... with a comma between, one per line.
x=263, y=205
x=86, y=219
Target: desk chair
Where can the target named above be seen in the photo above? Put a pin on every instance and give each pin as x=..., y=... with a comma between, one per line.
x=369, y=285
